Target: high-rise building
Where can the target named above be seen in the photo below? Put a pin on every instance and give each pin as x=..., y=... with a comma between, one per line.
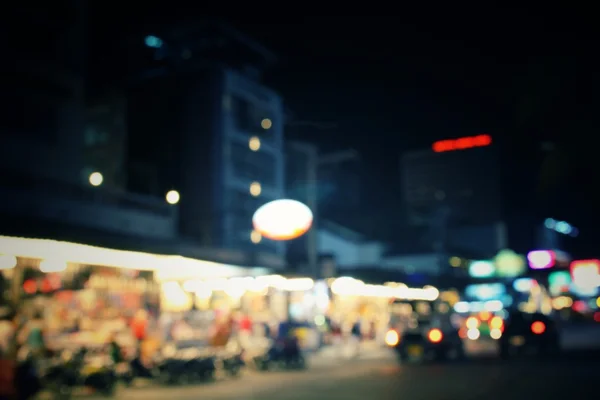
x=214, y=133
x=450, y=191
x=466, y=181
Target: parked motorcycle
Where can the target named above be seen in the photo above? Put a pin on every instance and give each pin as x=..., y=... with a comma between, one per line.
x=283, y=354
x=83, y=368
x=185, y=366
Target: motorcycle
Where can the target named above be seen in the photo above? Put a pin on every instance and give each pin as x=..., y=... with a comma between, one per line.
x=185, y=366
x=83, y=368
x=283, y=354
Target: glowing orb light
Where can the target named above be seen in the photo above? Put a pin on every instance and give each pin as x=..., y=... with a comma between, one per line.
x=282, y=219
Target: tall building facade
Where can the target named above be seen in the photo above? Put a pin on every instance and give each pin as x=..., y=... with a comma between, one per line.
x=466, y=181
x=214, y=133
x=105, y=139
x=456, y=197
x=254, y=158
x=51, y=144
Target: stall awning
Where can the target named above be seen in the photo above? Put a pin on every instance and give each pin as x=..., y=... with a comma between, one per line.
x=166, y=266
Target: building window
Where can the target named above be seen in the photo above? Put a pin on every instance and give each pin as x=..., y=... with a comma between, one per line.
x=93, y=137
x=244, y=203
x=259, y=166
x=251, y=118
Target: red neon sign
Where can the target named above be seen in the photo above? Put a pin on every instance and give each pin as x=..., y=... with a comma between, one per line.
x=463, y=143
x=585, y=270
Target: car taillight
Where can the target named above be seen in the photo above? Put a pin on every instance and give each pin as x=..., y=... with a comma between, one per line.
x=538, y=327
x=392, y=338
x=435, y=336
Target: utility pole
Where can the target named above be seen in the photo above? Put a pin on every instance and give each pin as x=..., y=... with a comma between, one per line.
x=314, y=161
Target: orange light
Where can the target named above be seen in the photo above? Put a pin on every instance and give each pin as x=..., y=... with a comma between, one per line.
x=392, y=338
x=496, y=323
x=472, y=323
x=435, y=336
x=538, y=327
x=485, y=315
x=463, y=143
x=462, y=332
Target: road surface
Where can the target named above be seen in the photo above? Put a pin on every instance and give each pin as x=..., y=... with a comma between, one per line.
x=574, y=376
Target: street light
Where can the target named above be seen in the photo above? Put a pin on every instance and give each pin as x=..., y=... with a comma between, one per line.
x=172, y=197
x=96, y=179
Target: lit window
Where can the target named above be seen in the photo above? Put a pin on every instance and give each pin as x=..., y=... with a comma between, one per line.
x=255, y=237
x=255, y=189
x=254, y=143
x=266, y=123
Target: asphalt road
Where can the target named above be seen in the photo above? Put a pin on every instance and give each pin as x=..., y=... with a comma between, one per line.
x=574, y=375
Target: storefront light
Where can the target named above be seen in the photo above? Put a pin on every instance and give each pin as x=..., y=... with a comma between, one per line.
x=347, y=286
x=7, y=261
x=174, y=297
x=52, y=265
x=274, y=281
x=167, y=267
x=428, y=293
x=203, y=292
x=298, y=284
x=191, y=285
x=236, y=287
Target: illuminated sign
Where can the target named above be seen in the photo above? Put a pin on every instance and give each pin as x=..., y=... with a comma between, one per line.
x=481, y=269
x=509, y=264
x=282, y=219
x=524, y=285
x=559, y=282
x=586, y=273
x=463, y=143
x=485, y=291
x=541, y=259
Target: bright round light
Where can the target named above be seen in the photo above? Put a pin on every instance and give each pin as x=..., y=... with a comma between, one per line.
x=7, y=261
x=392, y=338
x=96, y=179
x=266, y=123
x=282, y=219
x=472, y=323
x=495, y=333
x=435, y=336
x=255, y=237
x=255, y=189
x=473, y=334
x=172, y=197
x=254, y=143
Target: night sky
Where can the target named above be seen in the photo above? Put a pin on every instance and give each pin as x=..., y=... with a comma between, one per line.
x=388, y=84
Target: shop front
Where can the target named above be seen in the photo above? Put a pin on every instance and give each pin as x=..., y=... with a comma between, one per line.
x=87, y=296
x=362, y=310
x=251, y=308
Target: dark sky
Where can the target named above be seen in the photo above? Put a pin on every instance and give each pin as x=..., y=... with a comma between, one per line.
x=524, y=76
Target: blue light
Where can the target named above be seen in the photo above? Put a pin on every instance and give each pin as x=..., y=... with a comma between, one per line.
x=153, y=41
